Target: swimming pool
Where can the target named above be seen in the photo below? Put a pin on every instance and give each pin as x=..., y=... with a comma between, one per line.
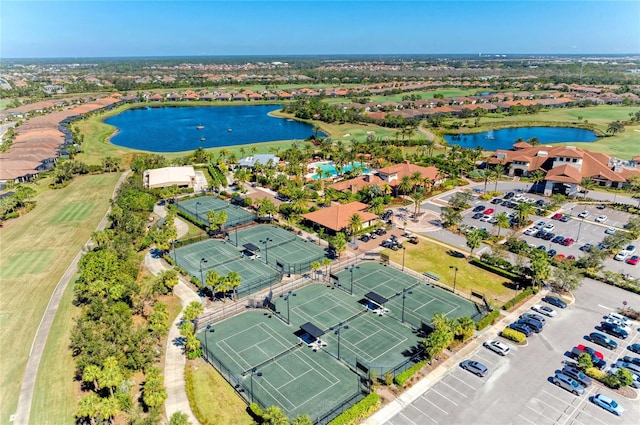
x=329, y=169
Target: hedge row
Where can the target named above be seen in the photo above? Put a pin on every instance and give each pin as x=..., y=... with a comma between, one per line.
x=515, y=300
x=358, y=411
x=496, y=270
x=403, y=377
x=514, y=335
x=190, y=387
x=487, y=320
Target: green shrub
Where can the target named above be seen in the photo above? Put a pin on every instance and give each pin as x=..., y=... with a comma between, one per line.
x=358, y=411
x=487, y=320
x=496, y=270
x=595, y=373
x=515, y=300
x=514, y=335
x=403, y=377
x=256, y=412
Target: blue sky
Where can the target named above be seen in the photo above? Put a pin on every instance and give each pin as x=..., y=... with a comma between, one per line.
x=178, y=28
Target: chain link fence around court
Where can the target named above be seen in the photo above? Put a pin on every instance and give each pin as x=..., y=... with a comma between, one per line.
x=236, y=215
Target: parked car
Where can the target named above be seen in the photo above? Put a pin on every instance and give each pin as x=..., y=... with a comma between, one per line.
x=635, y=348
x=479, y=208
x=364, y=238
x=539, y=225
x=543, y=309
x=601, y=206
x=601, y=219
x=603, y=340
x=596, y=356
x=614, y=330
x=555, y=301
x=548, y=236
x=533, y=316
x=526, y=330
x=633, y=260
x=477, y=215
x=630, y=359
x=617, y=322
x=542, y=248
x=533, y=324
x=557, y=216
x=610, y=231
x=381, y=231
x=531, y=231
x=549, y=227
x=558, y=239
x=607, y=404
x=496, y=201
x=577, y=374
x=631, y=249
x=621, y=256
x=586, y=247
x=568, y=241
x=565, y=218
x=552, y=253
x=540, y=202
x=631, y=366
x=634, y=376
x=497, y=347
x=509, y=195
x=568, y=383
x=474, y=367
x=616, y=316
x=584, y=214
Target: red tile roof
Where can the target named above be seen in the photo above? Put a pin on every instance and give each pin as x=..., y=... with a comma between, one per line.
x=337, y=217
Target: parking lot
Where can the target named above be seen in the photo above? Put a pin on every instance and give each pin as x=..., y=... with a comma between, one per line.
x=518, y=387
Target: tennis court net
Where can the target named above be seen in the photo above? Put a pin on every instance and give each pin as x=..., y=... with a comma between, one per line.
x=348, y=319
x=274, y=358
x=286, y=241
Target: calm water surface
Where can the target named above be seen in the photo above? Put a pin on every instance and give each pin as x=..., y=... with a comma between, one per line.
x=174, y=129
x=505, y=138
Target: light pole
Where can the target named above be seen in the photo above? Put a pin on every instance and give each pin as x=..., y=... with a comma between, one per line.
x=351, y=271
x=336, y=330
x=202, y=260
x=206, y=344
x=404, y=250
x=197, y=216
x=455, y=276
x=253, y=372
x=266, y=241
x=405, y=291
x=286, y=298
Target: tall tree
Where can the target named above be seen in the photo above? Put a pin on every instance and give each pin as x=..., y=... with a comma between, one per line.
x=339, y=243
x=474, y=239
x=355, y=225
x=503, y=222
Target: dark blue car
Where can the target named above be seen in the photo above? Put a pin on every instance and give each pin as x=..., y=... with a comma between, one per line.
x=555, y=301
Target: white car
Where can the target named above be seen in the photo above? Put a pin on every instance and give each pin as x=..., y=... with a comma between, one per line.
x=584, y=214
x=619, y=323
x=497, y=347
x=621, y=256
x=486, y=217
x=610, y=231
x=601, y=219
x=543, y=309
x=549, y=227
x=539, y=225
x=531, y=231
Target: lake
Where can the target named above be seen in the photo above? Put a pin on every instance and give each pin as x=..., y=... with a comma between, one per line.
x=176, y=129
x=505, y=138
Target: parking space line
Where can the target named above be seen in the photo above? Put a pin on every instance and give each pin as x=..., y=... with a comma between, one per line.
x=459, y=392
x=466, y=383
x=422, y=413
x=407, y=418
x=532, y=423
x=590, y=415
x=546, y=417
x=554, y=396
x=444, y=396
x=434, y=405
x=550, y=406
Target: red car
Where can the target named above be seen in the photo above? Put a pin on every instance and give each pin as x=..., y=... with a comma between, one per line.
x=488, y=211
x=568, y=241
x=633, y=260
x=557, y=216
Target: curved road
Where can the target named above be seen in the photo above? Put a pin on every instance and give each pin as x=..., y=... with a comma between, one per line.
x=23, y=411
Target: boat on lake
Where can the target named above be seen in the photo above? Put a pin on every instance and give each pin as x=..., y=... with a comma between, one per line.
x=229, y=130
x=199, y=127
x=202, y=139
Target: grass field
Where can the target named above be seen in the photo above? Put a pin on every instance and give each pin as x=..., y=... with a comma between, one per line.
x=448, y=92
x=75, y=212
x=35, y=252
x=427, y=256
x=214, y=397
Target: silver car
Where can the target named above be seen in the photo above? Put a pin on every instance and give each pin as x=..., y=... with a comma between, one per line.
x=568, y=383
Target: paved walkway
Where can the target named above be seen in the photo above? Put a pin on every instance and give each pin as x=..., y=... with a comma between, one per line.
x=175, y=360
x=23, y=411
x=396, y=406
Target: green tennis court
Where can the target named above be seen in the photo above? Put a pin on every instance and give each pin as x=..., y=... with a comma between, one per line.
x=421, y=300
x=262, y=356
x=223, y=257
x=284, y=250
x=199, y=207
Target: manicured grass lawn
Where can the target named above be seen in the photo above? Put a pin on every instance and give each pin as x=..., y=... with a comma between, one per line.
x=76, y=211
x=55, y=393
x=428, y=256
x=448, y=92
x=32, y=276
x=214, y=397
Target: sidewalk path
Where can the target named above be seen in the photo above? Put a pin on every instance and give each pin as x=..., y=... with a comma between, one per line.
x=396, y=406
x=23, y=411
x=175, y=360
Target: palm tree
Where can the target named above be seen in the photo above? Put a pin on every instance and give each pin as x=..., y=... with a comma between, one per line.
x=537, y=177
x=405, y=185
x=503, y=222
x=109, y=407
x=355, y=225
x=234, y=280
x=91, y=373
x=429, y=144
x=587, y=183
x=339, y=243
x=326, y=263
x=523, y=210
x=315, y=266
x=498, y=172
x=418, y=196
x=88, y=407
